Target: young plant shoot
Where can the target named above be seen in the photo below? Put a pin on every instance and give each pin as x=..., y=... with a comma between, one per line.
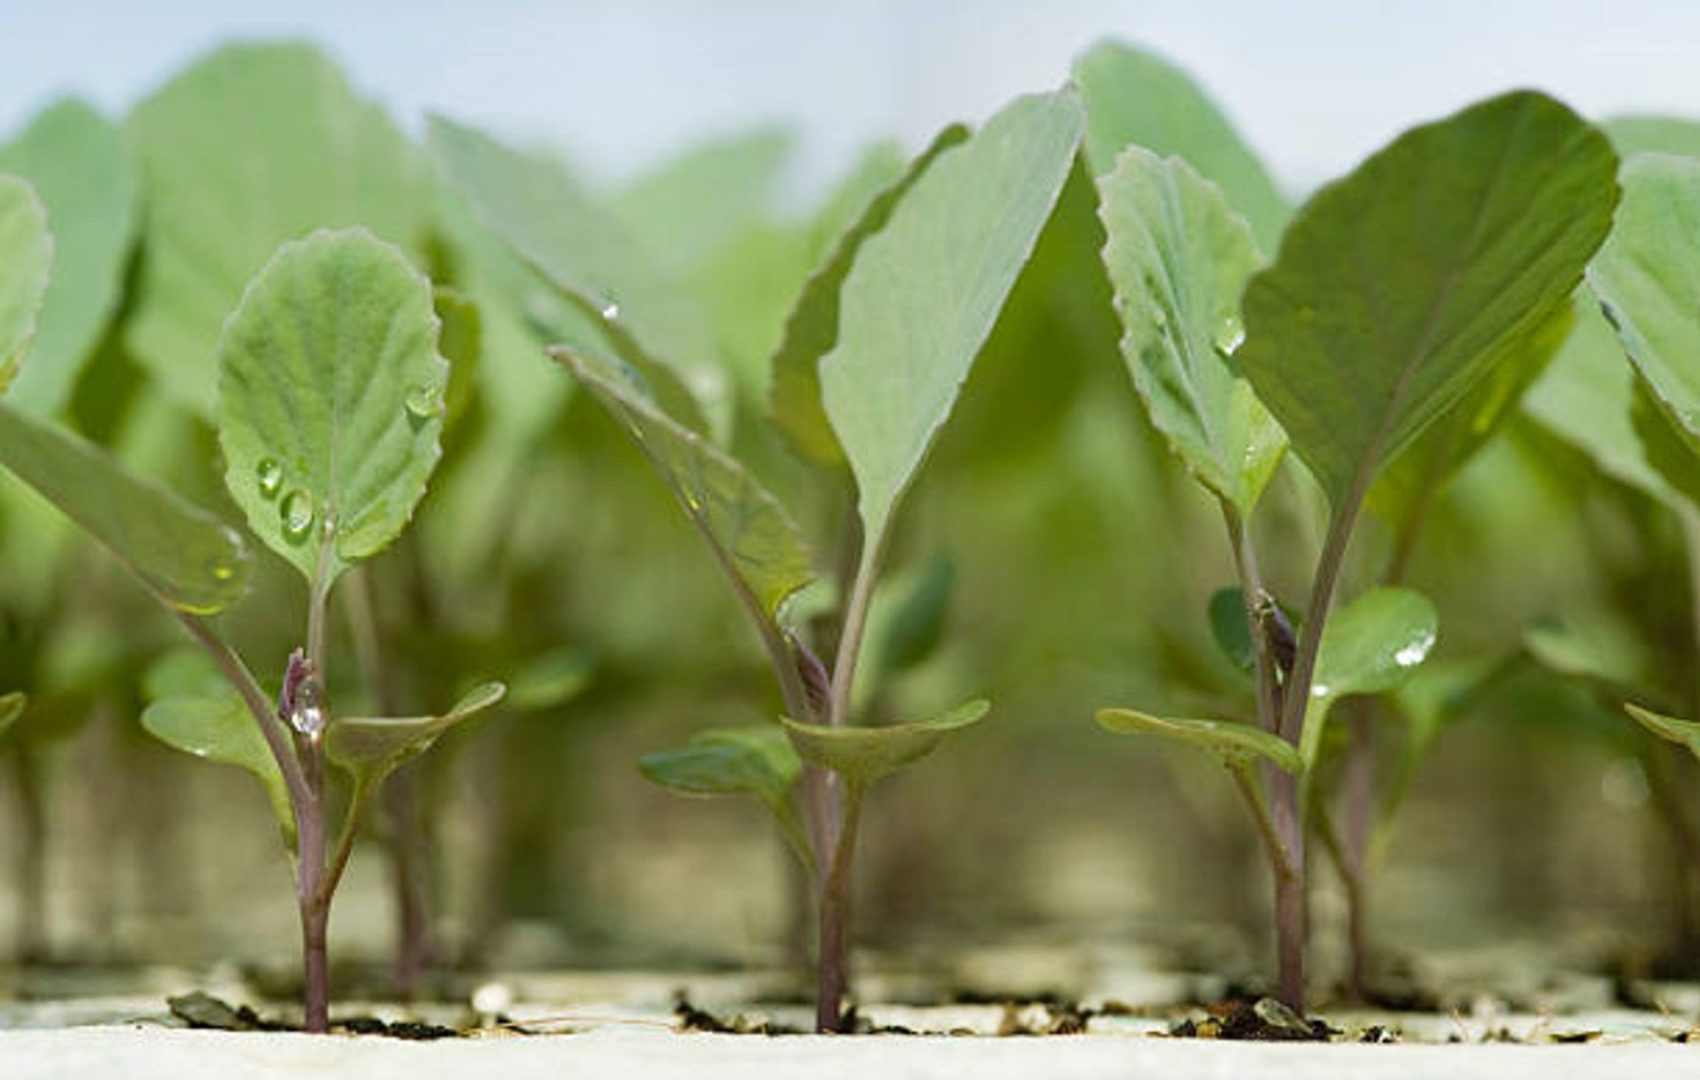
x=876, y=351
x=1395, y=292
x=331, y=402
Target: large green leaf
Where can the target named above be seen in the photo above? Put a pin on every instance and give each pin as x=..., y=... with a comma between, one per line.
x=372, y=747
x=583, y=249
x=925, y=291
x=811, y=329
x=862, y=754
x=756, y=761
x=187, y=557
x=1369, y=646
x=75, y=159
x=1134, y=97
x=250, y=146
x=11, y=707
x=219, y=728
x=332, y=399
x=1399, y=287
x=1237, y=745
x=26, y=256
x=1682, y=732
x=1645, y=277
x=1179, y=258
x=754, y=539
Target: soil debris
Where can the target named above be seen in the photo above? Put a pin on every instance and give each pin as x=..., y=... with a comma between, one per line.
x=1044, y=1018
x=1264, y=1019
x=701, y=1021
x=199, y=1009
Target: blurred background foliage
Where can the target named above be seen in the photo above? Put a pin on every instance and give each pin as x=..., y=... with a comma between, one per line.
x=1054, y=558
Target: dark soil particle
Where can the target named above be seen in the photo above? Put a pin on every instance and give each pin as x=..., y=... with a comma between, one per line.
x=1263, y=1020
x=202, y=1010
x=693, y=1019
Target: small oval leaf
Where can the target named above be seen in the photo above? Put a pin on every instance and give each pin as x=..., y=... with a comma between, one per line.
x=1237, y=745
x=332, y=398
x=219, y=728
x=372, y=747
x=1370, y=646
x=863, y=754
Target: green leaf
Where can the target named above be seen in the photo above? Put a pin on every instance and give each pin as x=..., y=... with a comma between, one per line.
x=1586, y=397
x=1230, y=628
x=1237, y=745
x=1133, y=97
x=1682, y=732
x=862, y=754
x=1668, y=448
x=76, y=160
x=1644, y=279
x=460, y=339
x=372, y=747
x=1665, y=134
x=551, y=680
x=219, y=728
x=1179, y=259
x=1600, y=649
x=185, y=556
x=811, y=329
x=1370, y=646
x=925, y=291
x=253, y=145
x=584, y=251
x=11, y=707
x=1401, y=286
x=909, y=615
x=26, y=257
x=1413, y=478
x=756, y=761
x=332, y=399
x=754, y=539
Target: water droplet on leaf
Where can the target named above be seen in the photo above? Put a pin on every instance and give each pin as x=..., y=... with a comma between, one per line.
x=426, y=401
x=297, y=514
x=1414, y=653
x=611, y=310
x=1230, y=335
x=220, y=570
x=270, y=475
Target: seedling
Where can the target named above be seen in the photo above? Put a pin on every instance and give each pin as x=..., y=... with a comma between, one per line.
x=1396, y=291
x=875, y=352
x=331, y=406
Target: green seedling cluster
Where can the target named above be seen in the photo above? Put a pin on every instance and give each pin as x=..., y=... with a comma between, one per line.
x=258, y=301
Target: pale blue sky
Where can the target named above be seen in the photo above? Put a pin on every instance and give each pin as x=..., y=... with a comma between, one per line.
x=1315, y=84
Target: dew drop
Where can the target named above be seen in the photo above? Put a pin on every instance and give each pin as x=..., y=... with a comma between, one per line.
x=426, y=401
x=610, y=310
x=219, y=570
x=270, y=475
x=297, y=514
x=1230, y=335
x=1413, y=654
